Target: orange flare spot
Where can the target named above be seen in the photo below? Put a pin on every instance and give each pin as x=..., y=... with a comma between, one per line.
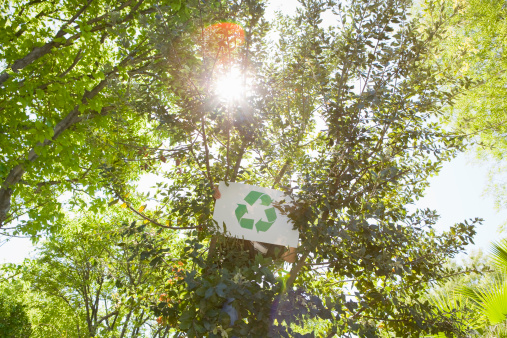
x=221, y=39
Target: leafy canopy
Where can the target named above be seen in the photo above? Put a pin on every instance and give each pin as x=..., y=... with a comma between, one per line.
x=339, y=118
x=473, y=53
x=75, y=101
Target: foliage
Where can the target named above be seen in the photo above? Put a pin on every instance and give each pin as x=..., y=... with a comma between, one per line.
x=339, y=118
x=48, y=317
x=491, y=300
x=74, y=102
x=94, y=282
x=472, y=271
x=14, y=321
x=480, y=298
x=473, y=52
x=460, y=309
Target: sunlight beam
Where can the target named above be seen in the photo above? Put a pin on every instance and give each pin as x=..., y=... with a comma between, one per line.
x=230, y=86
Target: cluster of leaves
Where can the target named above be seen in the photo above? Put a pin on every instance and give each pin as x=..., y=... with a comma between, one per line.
x=204, y=288
x=478, y=299
x=75, y=101
x=14, y=321
x=96, y=278
x=473, y=52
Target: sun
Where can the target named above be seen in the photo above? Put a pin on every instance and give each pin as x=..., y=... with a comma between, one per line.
x=231, y=85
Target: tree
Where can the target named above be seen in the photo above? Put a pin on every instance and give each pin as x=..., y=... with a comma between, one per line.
x=45, y=316
x=473, y=52
x=91, y=280
x=75, y=101
x=339, y=118
x=14, y=321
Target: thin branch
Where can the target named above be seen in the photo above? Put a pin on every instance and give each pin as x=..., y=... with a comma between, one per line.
x=151, y=220
x=238, y=163
x=107, y=317
x=206, y=150
x=281, y=173
x=297, y=268
x=38, y=52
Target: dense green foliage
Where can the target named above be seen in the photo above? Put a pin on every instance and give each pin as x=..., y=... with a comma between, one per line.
x=14, y=321
x=473, y=51
x=46, y=316
x=339, y=118
x=74, y=102
x=92, y=280
x=479, y=299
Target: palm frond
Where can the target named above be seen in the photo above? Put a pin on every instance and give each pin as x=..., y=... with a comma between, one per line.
x=470, y=293
x=490, y=300
x=499, y=254
x=493, y=301
x=460, y=308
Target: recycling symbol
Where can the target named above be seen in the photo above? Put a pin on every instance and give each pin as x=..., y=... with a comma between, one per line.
x=262, y=224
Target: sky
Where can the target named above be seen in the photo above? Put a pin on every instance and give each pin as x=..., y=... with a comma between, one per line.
x=457, y=193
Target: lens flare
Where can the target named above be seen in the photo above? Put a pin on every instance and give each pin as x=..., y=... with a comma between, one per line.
x=221, y=40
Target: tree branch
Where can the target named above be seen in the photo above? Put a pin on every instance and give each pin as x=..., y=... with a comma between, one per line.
x=17, y=172
x=281, y=173
x=39, y=52
x=297, y=268
x=152, y=221
x=107, y=317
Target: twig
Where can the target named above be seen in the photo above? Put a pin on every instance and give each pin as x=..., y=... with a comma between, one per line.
x=151, y=220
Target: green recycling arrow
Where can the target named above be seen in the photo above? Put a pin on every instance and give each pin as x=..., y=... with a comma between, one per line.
x=244, y=222
x=248, y=223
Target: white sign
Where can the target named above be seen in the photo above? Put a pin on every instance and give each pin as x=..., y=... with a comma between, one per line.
x=248, y=213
